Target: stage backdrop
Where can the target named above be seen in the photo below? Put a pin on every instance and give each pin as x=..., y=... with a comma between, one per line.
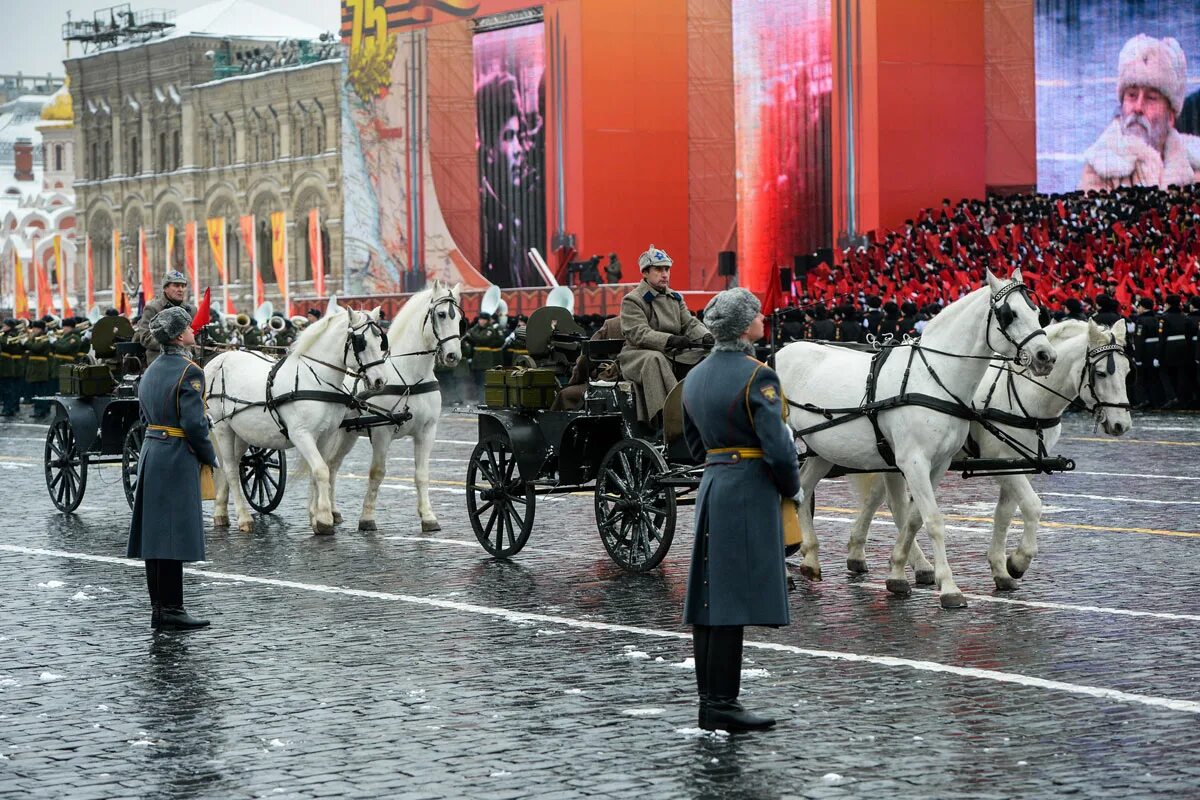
x=509, y=91
x=1077, y=43
x=783, y=82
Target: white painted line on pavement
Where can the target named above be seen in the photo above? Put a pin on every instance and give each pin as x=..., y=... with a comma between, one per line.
x=1170, y=704
x=1121, y=612
x=1154, y=475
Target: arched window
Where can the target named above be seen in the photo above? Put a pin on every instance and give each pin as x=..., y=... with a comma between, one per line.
x=58, y=158
x=175, y=149
x=135, y=153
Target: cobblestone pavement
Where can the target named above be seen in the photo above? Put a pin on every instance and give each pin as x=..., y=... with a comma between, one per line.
x=396, y=664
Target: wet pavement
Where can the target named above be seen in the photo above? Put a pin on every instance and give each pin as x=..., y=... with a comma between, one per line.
x=397, y=664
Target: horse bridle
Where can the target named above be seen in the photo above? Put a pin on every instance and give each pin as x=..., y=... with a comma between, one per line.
x=356, y=340
x=1005, y=316
x=429, y=320
x=1090, y=374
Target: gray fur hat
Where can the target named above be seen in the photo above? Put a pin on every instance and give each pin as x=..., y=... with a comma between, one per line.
x=729, y=313
x=170, y=323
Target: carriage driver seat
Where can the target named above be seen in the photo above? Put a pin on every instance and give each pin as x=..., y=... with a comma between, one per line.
x=552, y=338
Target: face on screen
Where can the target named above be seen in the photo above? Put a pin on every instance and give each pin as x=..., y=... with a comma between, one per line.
x=509, y=144
x=1146, y=114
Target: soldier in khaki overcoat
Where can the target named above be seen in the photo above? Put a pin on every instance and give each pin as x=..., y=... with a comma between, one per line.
x=663, y=340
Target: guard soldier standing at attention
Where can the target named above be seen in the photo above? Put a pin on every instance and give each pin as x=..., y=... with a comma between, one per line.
x=734, y=421
x=168, y=524
x=174, y=292
x=38, y=374
x=10, y=368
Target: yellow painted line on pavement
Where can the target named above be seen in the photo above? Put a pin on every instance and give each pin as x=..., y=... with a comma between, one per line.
x=1044, y=524
x=1123, y=440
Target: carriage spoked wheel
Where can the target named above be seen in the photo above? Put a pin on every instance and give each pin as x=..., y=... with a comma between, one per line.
x=131, y=455
x=634, y=513
x=66, y=467
x=263, y=475
x=501, y=506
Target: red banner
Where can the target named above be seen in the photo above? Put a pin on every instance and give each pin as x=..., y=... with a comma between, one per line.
x=20, y=296
x=216, y=245
x=279, y=257
x=316, y=252
x=189, y=253
x=147, y=274
x=45, y=303
x=91, y=284
x=118, y=298
x=246, y=224
x=60, y=273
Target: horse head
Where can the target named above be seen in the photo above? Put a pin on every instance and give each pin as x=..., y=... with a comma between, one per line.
x=1102, y=380
x=1014, y=329
x=366, y=347
x=443, y=324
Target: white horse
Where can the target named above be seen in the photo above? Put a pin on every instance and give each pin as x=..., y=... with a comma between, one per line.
x=426, y=331
x=252, y=400
x=1092, y=368
x=944, y=369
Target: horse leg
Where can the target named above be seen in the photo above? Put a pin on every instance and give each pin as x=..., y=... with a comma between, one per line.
x=220, y=437
x=898, y=502
x=920, y=478
x=422, y=448
x=236, y=449
x=871, y=490
x=381, y=444
x=1001, y=517
x=923, y=573
x=811, y=472
x=1031, y=513
x=322, y=521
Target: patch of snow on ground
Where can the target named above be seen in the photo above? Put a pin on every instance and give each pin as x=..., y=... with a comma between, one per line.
x=142, y=742
x=757, y=672
x=81, y=596
x=831, y=777
x=9, y=682
x=500, y=773
x=276, y=743
x=636, y=654
x=544, y=632
x=687, y=663
x=51, y=585
x=573, y=691
x=50, y=676
x=697, y=733
x=643, y=712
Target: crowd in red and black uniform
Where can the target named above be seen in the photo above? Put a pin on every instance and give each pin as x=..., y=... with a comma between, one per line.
x=1130, y=253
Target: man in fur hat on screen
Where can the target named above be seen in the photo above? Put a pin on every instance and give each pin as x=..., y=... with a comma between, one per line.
x=1141, y=146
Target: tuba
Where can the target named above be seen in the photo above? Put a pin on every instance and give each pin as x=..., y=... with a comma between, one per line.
x=242, y=322
x=299, y=322
x=277, y=324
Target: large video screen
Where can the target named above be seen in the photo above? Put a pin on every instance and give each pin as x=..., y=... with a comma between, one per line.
x=783, y=84
x=1118, y=93
x=509, y=102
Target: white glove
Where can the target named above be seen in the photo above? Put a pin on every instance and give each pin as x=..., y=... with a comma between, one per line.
x=799, y=497
x=1156, y=362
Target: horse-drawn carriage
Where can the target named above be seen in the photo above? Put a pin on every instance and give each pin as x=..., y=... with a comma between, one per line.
x=96, y=423
x=640, y=478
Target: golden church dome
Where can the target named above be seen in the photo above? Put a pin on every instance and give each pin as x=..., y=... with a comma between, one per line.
x=59, y=108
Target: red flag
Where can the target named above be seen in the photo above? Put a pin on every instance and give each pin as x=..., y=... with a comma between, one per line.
x=1062, y=210
x=203, y=313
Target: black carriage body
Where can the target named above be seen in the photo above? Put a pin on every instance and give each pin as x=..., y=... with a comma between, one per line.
x=560, y=447
x=99, y=423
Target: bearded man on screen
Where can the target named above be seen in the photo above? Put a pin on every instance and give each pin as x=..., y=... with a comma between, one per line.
x=1141, y=147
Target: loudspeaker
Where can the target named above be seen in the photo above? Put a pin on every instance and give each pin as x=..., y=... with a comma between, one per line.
x=785, y=280
x=727, y=263
x=801, y=265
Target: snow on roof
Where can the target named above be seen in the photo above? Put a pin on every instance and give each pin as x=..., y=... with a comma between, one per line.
x=19, y=119
x=242, y=19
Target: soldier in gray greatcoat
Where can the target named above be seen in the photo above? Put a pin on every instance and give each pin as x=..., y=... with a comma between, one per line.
x=174, y=292
x=168, y=524
x=734, y=422
x=655, y=323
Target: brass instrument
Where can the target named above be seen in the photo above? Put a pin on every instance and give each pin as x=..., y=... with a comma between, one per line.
x=277, y=324
x=242, y=322
x=299, y=322
x=84, y=326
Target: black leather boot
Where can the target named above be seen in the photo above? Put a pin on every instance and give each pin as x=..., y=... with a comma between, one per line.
x=156, y=616
x=700, y=652
x=723, y=712
x=177, y=618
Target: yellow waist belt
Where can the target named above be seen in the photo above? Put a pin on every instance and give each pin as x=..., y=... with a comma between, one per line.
x=37, y=358
x=168, y=430
x=64, y=356
x=488, y=349
x=738, y=453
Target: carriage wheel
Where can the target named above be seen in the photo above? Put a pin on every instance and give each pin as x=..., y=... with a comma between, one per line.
x=635, y=515
x=791, y=549
x=263, y=474
x=501, y=506
x=66, y=467
x=131, y=456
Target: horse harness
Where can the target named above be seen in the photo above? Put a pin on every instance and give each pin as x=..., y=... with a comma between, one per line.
x=872, y=407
